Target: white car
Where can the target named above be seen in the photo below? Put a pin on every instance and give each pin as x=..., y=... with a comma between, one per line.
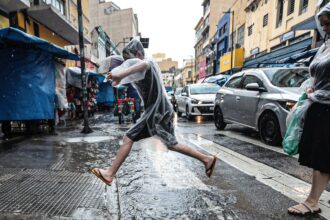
x=197, y=99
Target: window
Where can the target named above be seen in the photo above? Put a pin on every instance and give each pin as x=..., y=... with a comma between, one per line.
x=234, y=83
x=189, y=74
x=280, y=7
x=233, y=38
x=240, y=35
x=58, y=4
x=303, y=6
x=225, y=28
x=287, y=77
x=265, y=20
x=251, y=79
x=291, y=6
x=250, y=30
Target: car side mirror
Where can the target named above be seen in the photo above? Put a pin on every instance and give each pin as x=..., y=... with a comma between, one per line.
x=254, y=87
x=184, y=94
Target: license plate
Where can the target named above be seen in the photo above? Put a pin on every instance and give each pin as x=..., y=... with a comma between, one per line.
x=211, y=108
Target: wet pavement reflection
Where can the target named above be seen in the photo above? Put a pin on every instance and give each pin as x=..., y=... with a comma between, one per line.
x=153, y=183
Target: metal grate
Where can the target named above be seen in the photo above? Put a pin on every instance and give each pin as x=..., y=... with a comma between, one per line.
x=49, y=193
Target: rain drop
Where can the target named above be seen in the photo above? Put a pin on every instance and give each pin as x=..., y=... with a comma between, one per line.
x=30, y=85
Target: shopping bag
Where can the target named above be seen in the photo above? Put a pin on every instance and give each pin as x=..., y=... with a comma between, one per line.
x=295, y=126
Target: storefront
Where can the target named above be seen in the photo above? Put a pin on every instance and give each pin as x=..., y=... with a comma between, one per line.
x=226, y=60
x=275, y=56
x=4, y=21
x=202, y=69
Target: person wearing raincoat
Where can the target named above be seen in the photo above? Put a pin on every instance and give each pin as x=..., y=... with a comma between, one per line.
x=314, y=146
x=157, y=119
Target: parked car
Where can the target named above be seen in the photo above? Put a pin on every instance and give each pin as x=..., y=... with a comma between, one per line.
x=197, y=99
x=260, y=99
x=177, y=92
x=218, y=79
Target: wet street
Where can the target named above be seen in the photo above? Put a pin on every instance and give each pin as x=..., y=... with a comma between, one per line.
x=47, y=177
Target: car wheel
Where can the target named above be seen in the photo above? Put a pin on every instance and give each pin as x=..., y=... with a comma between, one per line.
x=179, y=113
x=269, y=129
x=188, y=116
x=218, y=119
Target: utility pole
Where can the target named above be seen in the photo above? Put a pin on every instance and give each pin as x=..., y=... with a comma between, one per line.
x=86, y=128
x=232, y=41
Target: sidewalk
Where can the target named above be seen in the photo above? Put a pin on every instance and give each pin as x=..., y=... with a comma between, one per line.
x=46, y=176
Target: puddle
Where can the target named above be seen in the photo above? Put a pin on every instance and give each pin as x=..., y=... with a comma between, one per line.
x=94, y=139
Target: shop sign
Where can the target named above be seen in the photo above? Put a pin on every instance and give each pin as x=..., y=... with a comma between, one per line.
x=255, y=51
x=287, y=36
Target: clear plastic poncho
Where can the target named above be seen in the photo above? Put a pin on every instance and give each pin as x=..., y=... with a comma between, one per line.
x=109, y=63
x=157, y=119
x=320, y=68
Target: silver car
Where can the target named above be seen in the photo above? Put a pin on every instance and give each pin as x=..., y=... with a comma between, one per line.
x=197, y=99
x=260, y=99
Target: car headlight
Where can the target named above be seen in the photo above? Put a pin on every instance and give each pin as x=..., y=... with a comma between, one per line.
x=194, y=101
x=288, y=105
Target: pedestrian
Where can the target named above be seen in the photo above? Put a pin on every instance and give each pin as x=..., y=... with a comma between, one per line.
x=314, y=146
x=157, y=118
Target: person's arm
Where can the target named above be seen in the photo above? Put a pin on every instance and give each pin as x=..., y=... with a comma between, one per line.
x=139, y=67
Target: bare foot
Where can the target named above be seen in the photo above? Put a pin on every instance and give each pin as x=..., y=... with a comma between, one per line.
x=106, y=175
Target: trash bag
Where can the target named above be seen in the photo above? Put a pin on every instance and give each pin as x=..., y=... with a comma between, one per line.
x=296, y=124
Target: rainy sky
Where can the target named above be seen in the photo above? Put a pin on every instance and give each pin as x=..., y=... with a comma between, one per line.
x=168, y=23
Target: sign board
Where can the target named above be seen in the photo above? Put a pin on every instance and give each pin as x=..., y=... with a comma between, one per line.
x=287, y=36
x=255, y=51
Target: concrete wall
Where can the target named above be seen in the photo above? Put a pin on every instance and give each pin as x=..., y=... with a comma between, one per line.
x=166, y=65
x=269, y=36
x=118, y=24
x=216, y=12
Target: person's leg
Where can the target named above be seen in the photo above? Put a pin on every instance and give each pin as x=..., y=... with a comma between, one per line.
x=205, y=159
x=319, y=183
x=124, y=149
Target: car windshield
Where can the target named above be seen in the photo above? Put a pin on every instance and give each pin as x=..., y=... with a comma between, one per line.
x=178, y=91
x=287, y=77
x=204, y=89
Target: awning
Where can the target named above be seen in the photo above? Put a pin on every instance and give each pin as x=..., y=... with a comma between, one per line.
x=14, y=5
x=275, y=56
x=309, y=24
x=55, y=21
x=12, y=37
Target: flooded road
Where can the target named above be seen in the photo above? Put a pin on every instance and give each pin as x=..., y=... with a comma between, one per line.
x=47, y=177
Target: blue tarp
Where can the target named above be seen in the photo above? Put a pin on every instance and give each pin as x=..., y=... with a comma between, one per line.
x=14, y=37
x=27, y=73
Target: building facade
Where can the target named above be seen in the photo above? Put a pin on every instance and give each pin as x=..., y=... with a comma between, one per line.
x=275, y=30
x=119, y=24
x=52, y=20
x=206, y=30
x=187, y=72
x=168, y=68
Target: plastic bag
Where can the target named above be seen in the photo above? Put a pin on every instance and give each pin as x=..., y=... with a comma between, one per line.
x=294, y=130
